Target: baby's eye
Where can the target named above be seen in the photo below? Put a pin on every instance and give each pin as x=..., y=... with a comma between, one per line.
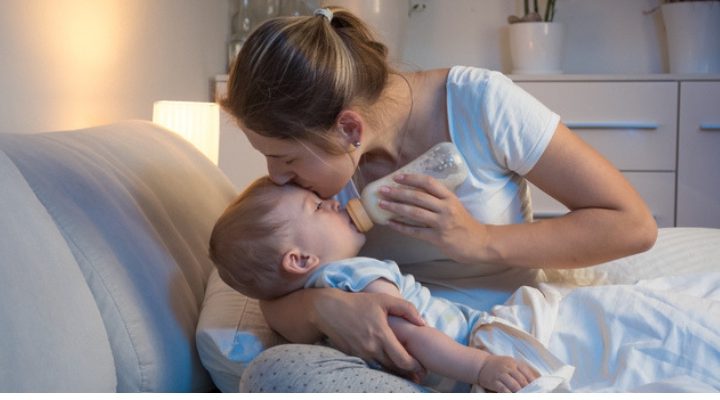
x=318, y=206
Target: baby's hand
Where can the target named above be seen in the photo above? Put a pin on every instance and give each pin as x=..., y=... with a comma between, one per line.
x=505, y=374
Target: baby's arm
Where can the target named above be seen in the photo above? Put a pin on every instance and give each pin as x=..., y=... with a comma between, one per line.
x=439, y=353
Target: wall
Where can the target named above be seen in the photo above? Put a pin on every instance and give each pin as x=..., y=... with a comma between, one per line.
x=75, y=63
x=603, y=37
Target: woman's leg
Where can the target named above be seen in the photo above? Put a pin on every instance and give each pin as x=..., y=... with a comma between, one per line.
x=313, y=368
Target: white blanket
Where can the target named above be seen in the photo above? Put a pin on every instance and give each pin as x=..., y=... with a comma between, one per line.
x=658, y=335
x=645, y=323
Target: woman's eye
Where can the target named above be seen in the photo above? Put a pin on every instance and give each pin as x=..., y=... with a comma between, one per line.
x=290, y=161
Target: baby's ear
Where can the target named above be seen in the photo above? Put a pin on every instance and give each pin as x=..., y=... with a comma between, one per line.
x=295, y=261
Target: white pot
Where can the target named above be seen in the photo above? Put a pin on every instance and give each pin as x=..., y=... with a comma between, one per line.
x=388, y=19
x=693, y=36
x=536, y=47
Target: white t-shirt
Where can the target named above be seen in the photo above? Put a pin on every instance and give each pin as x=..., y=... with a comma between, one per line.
x=501, y=131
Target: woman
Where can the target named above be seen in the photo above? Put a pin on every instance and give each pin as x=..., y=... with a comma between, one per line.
x=316, y=97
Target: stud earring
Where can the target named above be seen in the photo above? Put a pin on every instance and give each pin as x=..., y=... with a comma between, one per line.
x=356, y=144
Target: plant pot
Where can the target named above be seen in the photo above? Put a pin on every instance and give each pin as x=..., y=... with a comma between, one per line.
x=388, y=18
x=536, y=47
x=693, y=36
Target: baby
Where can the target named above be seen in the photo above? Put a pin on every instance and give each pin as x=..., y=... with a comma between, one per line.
x=273, y=240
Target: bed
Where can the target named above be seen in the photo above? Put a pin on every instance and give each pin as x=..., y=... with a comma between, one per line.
x=646, y=323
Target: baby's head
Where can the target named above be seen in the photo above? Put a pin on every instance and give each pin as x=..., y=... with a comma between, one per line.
x=271, y=237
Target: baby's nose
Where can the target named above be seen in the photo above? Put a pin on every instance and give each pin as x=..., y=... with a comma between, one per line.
x=333, y=205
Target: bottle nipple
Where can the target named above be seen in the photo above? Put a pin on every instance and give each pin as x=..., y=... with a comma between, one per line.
x=358, y=215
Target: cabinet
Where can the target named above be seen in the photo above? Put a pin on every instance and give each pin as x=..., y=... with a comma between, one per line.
x=661, y=131
x=698, y=195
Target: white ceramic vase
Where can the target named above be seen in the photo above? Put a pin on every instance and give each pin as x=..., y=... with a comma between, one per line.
x=536, y=47
x=388, y=18
x=693, y=36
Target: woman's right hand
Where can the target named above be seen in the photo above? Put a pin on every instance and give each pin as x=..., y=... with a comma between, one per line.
x=357, y=324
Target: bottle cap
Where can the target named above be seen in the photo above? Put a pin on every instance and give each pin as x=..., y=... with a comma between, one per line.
x=358, y=215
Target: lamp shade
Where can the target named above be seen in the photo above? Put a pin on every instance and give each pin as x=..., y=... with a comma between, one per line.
x=197, y=122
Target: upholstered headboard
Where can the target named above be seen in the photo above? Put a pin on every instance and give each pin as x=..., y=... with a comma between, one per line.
x=103, y=259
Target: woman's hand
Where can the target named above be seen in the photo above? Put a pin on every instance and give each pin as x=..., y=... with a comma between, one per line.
x=357, y=324
x=431, y=212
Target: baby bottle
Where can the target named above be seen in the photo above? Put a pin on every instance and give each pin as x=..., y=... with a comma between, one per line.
x=443, y=162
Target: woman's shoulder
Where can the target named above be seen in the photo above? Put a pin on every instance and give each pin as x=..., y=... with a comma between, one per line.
x=461, y=75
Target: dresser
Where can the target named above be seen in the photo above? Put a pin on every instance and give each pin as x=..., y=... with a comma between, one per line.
x=661, y=131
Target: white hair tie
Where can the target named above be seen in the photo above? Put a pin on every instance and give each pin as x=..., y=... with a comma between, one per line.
x=325, y=12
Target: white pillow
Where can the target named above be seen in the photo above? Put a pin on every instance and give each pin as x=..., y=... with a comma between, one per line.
x=231, y=332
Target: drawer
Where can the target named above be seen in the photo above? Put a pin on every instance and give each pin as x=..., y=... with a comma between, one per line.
x=633, y=124
x=656, y=188
x=699, y=155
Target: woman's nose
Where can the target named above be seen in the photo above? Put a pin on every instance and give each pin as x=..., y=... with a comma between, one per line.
x=278, y=174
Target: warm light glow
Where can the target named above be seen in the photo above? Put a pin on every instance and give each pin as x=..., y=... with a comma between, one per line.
x=197, y=122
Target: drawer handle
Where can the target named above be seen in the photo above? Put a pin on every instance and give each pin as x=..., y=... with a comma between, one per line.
x=710, y=127
x=612, y=125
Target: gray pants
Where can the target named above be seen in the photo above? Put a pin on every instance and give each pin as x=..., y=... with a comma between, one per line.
x=313, y=368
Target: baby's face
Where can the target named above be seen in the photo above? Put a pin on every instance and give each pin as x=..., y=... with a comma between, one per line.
x=317, y=225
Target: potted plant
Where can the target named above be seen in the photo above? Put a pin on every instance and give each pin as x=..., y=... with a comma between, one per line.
x=692, y=31
x=536, y=41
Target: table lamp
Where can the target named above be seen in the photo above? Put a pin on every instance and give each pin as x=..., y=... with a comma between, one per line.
x=197, y=122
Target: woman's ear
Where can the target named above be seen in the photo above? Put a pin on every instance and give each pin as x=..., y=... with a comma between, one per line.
x=350, y=124
x=296, y=262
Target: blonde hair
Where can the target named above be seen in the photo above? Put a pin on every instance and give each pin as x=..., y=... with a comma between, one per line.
x=246, y=243
x=294, y=75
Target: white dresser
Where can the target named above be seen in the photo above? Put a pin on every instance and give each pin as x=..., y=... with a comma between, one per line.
x=661, y=131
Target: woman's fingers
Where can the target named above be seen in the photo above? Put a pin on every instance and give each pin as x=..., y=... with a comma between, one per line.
x=427, y=183
x=404, y=309
x=398, y=360
x=409, y=196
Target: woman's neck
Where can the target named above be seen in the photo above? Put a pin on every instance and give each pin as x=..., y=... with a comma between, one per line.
x=411, y=119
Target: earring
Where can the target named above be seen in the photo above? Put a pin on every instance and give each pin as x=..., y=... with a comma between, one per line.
x=356, y=144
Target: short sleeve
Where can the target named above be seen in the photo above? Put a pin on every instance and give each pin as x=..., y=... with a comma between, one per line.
x=519, y=126
x=354, y=274
x=499, y=127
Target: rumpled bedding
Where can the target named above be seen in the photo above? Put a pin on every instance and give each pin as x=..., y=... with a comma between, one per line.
x=656, y=335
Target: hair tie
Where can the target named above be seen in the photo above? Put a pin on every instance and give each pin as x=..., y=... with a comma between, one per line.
x=325, y=12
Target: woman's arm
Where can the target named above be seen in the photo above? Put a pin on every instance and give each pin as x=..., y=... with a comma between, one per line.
x=355, y=323
x=608, y=218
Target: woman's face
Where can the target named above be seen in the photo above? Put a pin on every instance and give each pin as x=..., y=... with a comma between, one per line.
x=304, y=164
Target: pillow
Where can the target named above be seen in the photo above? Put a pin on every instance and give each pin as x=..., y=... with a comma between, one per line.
x=230, y=333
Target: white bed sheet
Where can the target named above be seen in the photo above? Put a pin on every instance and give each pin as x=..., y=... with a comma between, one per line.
x=647, y=323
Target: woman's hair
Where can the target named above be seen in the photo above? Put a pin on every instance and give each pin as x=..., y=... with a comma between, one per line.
x=246, y=242
x=294, y=75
